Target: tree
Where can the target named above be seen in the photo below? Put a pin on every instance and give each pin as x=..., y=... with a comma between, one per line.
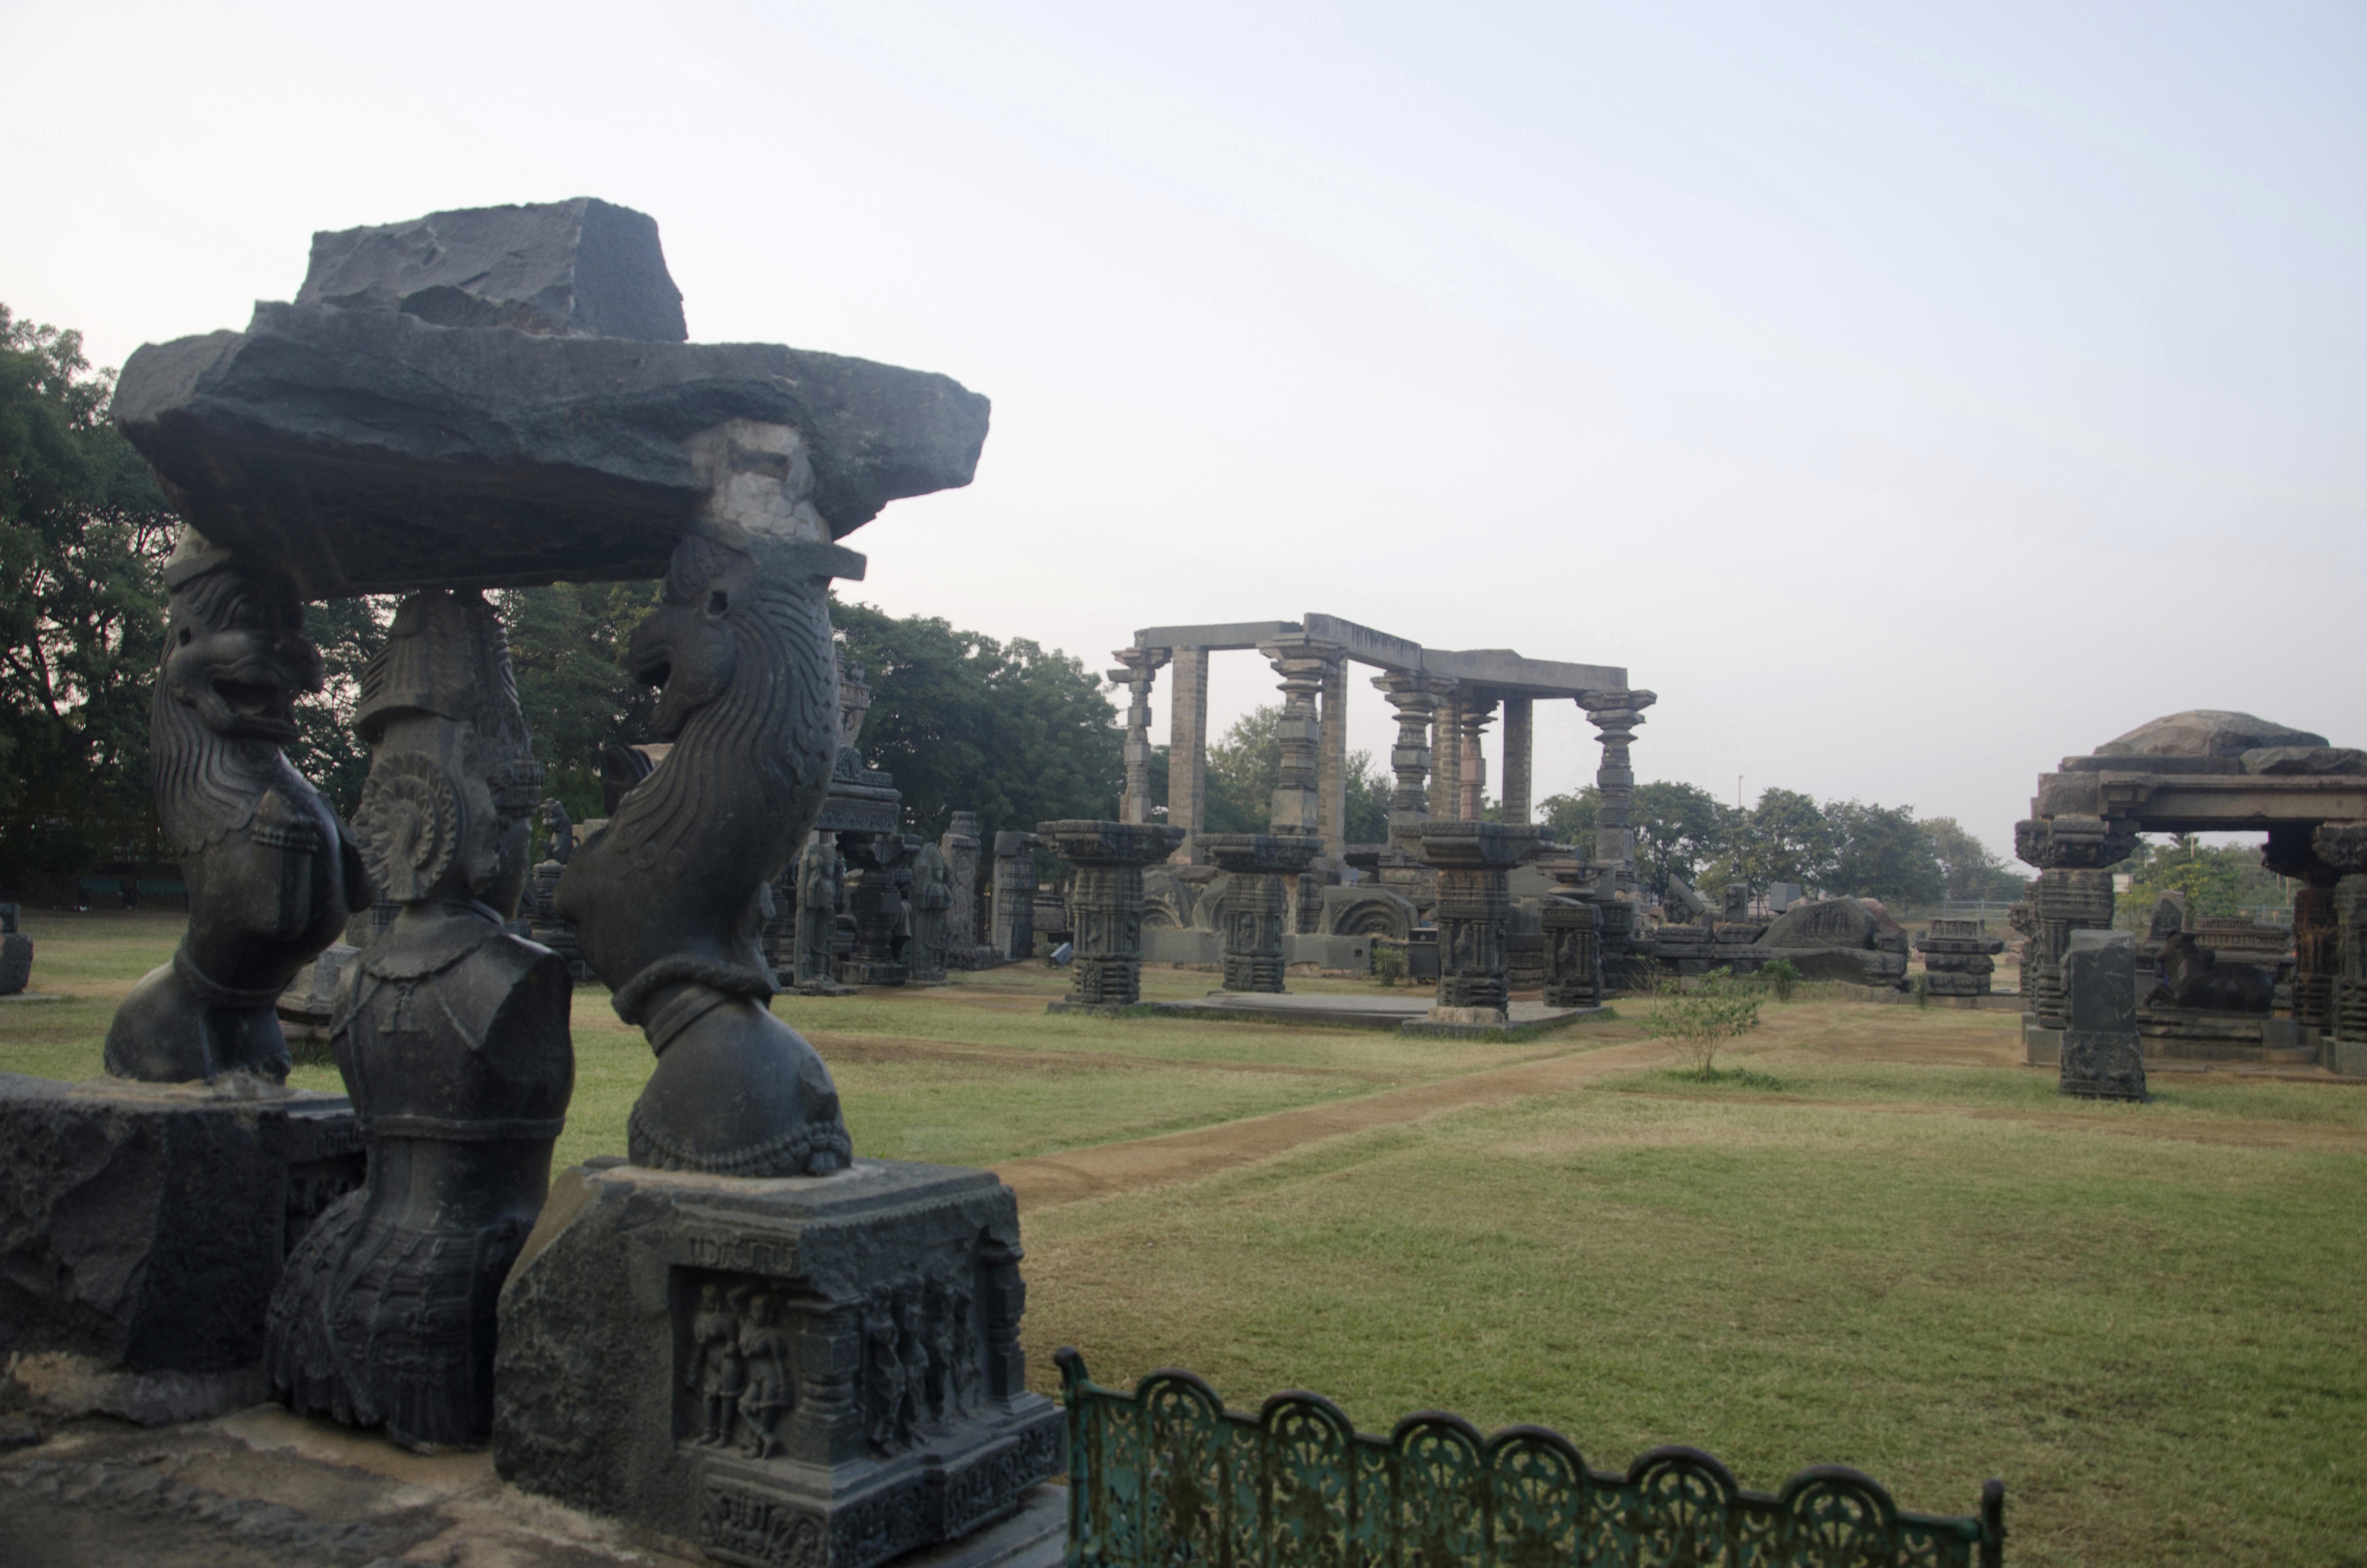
x=83, y=533
x=1677, y=827
x=1783, y=838
x=1369, y=790
x=567, y=643
x=325, y=750
x=1570, y=819
x=1881, y=852
x=2217, y=879
x=1011, y=731
x=1245, y=764
x=1970, y=868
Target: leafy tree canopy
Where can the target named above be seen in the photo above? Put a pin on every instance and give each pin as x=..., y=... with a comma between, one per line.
x=1007, y=730
x=1245, y=764
x=1678, y=828
x=1969, y=868
x=83, y=533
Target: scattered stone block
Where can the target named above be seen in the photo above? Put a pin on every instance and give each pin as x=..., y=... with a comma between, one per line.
x=142, y=1229
x=2103, y=1056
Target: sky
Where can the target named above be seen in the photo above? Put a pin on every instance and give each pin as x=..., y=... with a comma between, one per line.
x=1909, y=396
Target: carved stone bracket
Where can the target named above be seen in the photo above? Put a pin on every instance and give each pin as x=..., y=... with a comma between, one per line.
x=1255, y=903
x=1105, y=904
x=1472, y=859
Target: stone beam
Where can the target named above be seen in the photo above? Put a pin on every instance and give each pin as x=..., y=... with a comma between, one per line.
x=1229, y=637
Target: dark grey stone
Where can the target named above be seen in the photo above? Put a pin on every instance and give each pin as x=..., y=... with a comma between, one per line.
x=1107, y=900
x=584, y=268
x=815, y=1372
x=2206, y=732
x=2103, y=1056
x=143, y=1228
x=367, y=452
x=15, y=962
x=452, y=1036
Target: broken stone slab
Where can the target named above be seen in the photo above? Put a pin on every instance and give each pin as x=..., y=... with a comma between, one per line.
x=369, y=450
x=2206, y=732
x=2102, y=1053
x=584, y=268
x=143, y=1228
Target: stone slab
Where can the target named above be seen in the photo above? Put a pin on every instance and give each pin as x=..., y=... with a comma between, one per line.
x=2344, y=1058
x=2040, y=1047
x=646, y=1302
x=368, y=452
x=143, y=1228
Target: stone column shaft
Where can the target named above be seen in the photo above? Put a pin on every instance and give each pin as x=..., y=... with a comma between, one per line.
x=1474, y=716
x=1520, y=740
x=1187, y=746
x=1332, y=762
x=1616, y=715
x=1304, y=668
x=1416, y=699
x=1139, y=668
x=1447, y=757
x=1105, y=904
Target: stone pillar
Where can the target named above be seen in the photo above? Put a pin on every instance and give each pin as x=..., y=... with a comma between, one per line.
x=2341, y=846
x=1140, y=666
x=1473, y=902
x=1416, y=699
x=1304, y=668
x=1520, y=744
x=878, y=909
x=1014, y=896
x=1105, y=905
x=1472, y=716
x=1573, y=943
x=2103, y=1056
x=1614, y=715
x=1332, y=762
x=960, y=846
x=1255, y=904
x=1447, y=755
x=1187, y=746
x=2074, y=892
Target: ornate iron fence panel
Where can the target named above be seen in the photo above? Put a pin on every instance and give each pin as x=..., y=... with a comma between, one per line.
x=1166, y=1477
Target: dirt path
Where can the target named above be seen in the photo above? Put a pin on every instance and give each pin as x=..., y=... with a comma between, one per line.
x=1048, y=1180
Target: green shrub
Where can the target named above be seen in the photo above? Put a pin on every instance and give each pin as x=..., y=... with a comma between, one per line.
x=1700, y=1020
x=1389, y=963
x=1782, y=975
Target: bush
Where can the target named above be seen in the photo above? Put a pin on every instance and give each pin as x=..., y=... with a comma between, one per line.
x=1700, y=1020
x=1389, y=963
x=1782, y=975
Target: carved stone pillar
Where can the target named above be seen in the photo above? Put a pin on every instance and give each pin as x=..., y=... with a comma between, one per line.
x=1187, y=746
x=1474, y=901
x=2103, y=1056
x=1255, y=903
x=1573, y=943
x=1014, y=896
x=1105, y=905
x=1519, y=742
x=1447, y=755
x=1304, y=667
x=2316, y=926
x=1472, y=716
x=2343, y=846
x=1614, y=715
x=878, y=909
x=2074, y=892
x=960, y=846
x=1332, y=761
x=1416, y=699
x=1141, y=667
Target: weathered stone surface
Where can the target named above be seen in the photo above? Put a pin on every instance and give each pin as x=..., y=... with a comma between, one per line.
x=143, y=1228
x=2206, y=732
x=367, y=451
x=823, y=1372
x=584, y=268
x=15, y=962
x=1105, y=900
x=2279, y=762
x=1255, y=866
x=2103, y=1056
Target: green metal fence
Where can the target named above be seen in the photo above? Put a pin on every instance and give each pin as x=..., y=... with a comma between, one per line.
x=1166, y=1477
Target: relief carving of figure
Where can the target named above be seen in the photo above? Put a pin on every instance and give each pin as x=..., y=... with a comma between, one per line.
x=717, y=1371
x=765, y=1352
x=821, y=880
x=665, y=898
x=272, y=874
x=932, y=897
x=452, y=1037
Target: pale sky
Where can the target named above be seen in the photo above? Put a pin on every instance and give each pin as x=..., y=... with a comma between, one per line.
x=1910, y=395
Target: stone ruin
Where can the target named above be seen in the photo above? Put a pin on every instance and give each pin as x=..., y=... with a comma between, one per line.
x=1959, y=956
x=2213, y=989
x=802, y=1357
x=15, y=954
x=1346, y=895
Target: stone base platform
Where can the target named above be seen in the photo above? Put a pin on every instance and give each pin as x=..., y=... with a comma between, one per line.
x=142, y=1229
x=810, y=1373
x=1408, y=1014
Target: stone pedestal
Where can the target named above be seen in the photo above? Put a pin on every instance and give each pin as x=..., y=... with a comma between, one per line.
x=2103, y=1056
x=1472, y=859
x=1573, y=953
x=143, y=1228
x=960, y=845
x=1255, y=903
x=801, y=1372
x=1959, y=956
x=1105, y=904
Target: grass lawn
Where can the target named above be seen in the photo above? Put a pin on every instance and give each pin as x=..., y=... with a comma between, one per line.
x=1887, y=1244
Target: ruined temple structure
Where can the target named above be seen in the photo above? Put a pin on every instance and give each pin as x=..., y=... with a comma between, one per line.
x=1446, y=701
x=499, y=397
x=2218, y=991
x=1959, y=956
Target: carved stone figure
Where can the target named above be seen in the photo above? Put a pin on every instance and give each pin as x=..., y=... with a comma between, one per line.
x=821, y=889
x=882, y=867
x=2103, y=1056
x=932, y=897
x=452, y=1036
x=272, y=873
x=2196, y=977
x=665, y=898
x=716, y=1370
x=560, y=827
x=768, y=1361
